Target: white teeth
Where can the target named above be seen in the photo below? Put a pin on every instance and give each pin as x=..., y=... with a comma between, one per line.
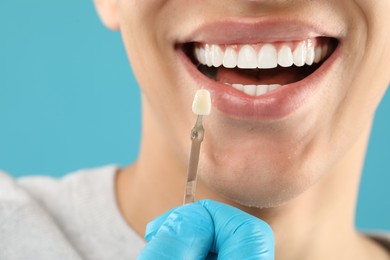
x=200, y=54
x=325, y=49
x=268, y=57
x=310, y=55
x=273, y=87
x=238, y=86
x=216, y=55
x=317, y=54
x=230, y=58
x=253, y=90
x=262, y=56
x=208, y=55
x=300, y=55
x=265, y=56
x=250, y=90
x=285, y=57
x=247, y=58
x=261, y=90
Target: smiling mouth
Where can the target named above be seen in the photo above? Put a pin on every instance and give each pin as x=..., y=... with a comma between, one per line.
x=257, y=69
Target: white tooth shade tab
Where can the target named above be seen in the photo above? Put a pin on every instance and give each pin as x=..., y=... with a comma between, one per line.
x=262, y=55
x=255, y=90
x=202, y=103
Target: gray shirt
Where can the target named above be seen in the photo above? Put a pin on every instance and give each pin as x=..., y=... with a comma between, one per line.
x=72, y=218
x=75, y=217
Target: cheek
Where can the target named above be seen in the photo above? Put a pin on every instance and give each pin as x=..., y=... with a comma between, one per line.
x=376, y=66
x=166, y=103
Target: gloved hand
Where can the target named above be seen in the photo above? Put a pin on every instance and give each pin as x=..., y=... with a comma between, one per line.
x=207, y=229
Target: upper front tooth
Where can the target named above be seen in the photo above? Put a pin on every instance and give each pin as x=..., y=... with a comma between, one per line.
x=300, y=55
x=285, y=57
x=247, y=58
x=268, y=57
x=230, y=58
x=216, y=55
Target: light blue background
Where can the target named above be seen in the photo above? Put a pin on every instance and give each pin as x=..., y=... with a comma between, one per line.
x=68, y=100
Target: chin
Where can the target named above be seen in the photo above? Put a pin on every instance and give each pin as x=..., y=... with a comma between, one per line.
x=253, y=182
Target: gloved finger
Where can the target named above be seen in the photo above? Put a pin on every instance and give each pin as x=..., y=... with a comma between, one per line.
x=239, y=235
x=186, y=233
x=212, y=256
x=153, y=226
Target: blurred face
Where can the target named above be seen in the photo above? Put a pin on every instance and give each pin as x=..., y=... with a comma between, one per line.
x=293, y=84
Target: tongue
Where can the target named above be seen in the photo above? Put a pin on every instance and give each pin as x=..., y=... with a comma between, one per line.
x=278, y=75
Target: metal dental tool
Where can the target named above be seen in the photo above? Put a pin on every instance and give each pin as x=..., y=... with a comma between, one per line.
x=201, y=106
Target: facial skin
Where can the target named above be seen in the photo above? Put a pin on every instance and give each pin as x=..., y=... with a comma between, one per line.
x=260, y=163
x=268, y=161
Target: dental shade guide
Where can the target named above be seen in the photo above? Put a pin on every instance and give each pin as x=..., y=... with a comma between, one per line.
x=201, y=106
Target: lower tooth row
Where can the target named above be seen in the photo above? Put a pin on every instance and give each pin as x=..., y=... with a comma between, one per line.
x=255, y=90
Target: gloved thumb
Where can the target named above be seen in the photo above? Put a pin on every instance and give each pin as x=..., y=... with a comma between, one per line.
x=186, y=232
x=239, y=235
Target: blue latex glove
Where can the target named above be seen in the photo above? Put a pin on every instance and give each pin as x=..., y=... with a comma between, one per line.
x=204, y=229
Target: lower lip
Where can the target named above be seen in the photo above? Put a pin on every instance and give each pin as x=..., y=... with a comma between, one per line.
x=274, y=105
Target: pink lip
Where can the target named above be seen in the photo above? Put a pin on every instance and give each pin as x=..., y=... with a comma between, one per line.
x=245, y=30
x=274, y=105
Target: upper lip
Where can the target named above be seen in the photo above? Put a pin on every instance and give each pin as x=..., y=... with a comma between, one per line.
x=244, y=30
